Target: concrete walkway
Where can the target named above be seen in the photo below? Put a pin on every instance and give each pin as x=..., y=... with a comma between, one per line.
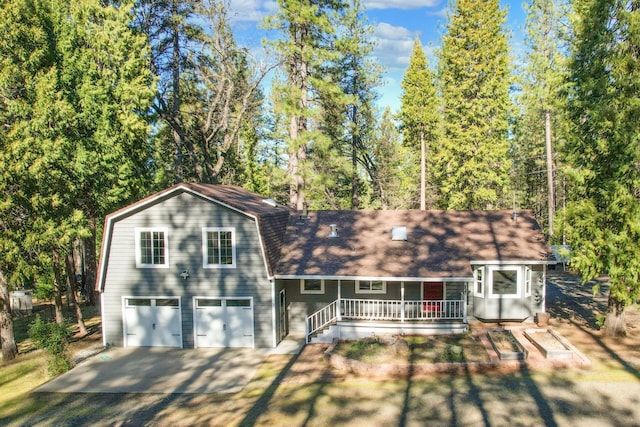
x=161, y=370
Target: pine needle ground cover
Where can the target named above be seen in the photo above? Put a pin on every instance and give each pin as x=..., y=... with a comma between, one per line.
x=415, y=349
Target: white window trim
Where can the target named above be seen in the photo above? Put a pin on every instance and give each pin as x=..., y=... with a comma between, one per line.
x=306, y=291
x=205, y=258
x=371, y=291
x=479, y=271
x=489, y=281
x=140, y=230
x=528, y=281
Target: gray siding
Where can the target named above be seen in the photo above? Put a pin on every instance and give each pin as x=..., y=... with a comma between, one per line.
x=184, y=216
x=520, y=308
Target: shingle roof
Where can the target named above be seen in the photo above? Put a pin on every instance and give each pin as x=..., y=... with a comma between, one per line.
x=439, y=243
x=272, y=220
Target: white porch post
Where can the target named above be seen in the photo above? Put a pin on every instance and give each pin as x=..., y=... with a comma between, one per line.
x=338, y=308
x=402, y=301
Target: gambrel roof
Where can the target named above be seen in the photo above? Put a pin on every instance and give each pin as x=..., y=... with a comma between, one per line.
x=271, y=218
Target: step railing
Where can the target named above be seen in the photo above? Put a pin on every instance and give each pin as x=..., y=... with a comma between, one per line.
x=321, y=319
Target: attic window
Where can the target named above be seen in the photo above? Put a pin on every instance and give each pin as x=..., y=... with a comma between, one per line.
x=399, y=233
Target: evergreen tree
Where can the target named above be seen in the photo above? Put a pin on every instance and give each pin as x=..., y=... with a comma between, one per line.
x=359, y=75
x=395, y=172
x=420, y=114
x=603, y=155
x=305, y=50
x=541, y=123
x=74, y=87
x=472, y=166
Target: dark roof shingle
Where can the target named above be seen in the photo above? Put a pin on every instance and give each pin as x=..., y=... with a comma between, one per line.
x=439, y=243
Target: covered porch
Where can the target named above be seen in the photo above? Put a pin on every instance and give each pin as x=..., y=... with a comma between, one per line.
x=387, y=315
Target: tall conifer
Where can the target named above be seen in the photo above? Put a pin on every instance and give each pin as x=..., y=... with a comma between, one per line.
x=602, y=219
x=473, y=166
x=420, y=114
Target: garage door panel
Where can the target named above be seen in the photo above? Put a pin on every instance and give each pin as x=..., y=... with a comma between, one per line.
x=209, y=326
x=153, y=322
x=228, y=323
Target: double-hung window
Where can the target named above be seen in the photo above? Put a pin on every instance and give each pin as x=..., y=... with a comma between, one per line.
x=218, y=247
x=478, y=282
x=311, y=286
x=152, y=248
x=371, y=287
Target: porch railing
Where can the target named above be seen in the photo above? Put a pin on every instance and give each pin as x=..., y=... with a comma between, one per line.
x=375, y=309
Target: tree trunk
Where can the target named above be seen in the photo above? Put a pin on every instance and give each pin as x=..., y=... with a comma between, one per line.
x=551, y=202
x=90, y=263
x=9, y=348
x=423, y=171
x=57, y=289
x=71, y=282
x=614, y=324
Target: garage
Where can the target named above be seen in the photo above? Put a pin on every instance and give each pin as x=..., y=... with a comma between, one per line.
x=223, y=322
x=152, y=322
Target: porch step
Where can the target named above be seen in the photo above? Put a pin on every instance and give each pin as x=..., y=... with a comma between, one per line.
x=353, y=330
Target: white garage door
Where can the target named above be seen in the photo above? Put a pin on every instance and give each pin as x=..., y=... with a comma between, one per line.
x=223, y=322
x=152, y=322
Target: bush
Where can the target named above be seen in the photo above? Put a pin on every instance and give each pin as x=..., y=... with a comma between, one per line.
x=53, y=339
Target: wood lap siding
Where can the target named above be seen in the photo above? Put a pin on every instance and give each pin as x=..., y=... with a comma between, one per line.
x=184, y=215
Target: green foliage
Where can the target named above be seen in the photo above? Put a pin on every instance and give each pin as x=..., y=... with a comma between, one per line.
x=603, y=154
x=53, y=339
x=543, y=81
x=472, y=166
x=420, y=115
x=74, y=86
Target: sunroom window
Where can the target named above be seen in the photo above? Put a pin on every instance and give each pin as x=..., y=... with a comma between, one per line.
x=505, y=282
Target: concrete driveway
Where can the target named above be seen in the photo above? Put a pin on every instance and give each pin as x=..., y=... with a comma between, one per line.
x=161, y=370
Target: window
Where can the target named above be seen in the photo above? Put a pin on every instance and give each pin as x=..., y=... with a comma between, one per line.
x=527, y=282
x=505, y=282
x=218, y=247
x=152, y=248
x=371, y=287
x=311, y=286
x=478, y=282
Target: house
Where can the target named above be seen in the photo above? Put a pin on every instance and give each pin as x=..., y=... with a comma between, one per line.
x=218, y=266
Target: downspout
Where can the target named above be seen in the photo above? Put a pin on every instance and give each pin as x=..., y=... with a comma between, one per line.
x=273, y=313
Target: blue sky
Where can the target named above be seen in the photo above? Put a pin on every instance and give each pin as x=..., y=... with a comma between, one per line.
x=396, y=24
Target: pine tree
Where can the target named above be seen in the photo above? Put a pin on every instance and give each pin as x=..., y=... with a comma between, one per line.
x=420, y=114
x=472, y=167
x=395, y=172
x=603, y=154
x=306, y=47
x=542, y=122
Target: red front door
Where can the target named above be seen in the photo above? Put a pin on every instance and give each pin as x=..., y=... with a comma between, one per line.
x=432, y=290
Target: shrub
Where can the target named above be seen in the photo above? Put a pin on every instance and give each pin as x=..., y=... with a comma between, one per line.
x=53, y=339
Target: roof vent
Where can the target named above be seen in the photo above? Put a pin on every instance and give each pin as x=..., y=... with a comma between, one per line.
x=334, y=230
x=270, y=202
x=399, y=233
